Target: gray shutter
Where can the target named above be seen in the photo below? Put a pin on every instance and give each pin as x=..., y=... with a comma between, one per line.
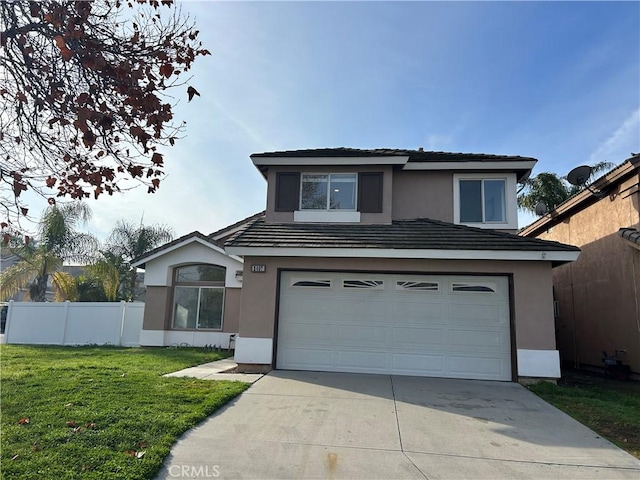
x=287, y=191
x=370, y=192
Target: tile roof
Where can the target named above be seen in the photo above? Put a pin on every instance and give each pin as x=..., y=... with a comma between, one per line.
x=229, y=228
x=414, y=155
x=630, y=234
x=422, y=233
x=170, y=244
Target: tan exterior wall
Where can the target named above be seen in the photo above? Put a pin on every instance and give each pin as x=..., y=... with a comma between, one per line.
x=598, y=294
x=157, y=310
x=231, y=318
x=287, y=217
x=423, y=194
x=532, y=292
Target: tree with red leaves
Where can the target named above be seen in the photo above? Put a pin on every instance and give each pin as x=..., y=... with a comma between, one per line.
x=84, y=93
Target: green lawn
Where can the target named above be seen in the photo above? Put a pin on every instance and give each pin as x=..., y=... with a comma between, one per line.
x=99, y=412
x=609, y=407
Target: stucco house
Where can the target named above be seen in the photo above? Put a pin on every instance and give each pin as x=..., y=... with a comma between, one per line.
x=193, y=290
x=598, y=296
x=375, y=261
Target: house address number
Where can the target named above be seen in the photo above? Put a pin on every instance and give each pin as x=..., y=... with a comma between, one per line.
x=258, y=268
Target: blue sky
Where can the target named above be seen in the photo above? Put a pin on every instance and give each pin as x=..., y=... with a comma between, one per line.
x=556, y=81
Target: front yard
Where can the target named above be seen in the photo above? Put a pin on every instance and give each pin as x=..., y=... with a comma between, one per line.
x=99, y=412
x=609, y=407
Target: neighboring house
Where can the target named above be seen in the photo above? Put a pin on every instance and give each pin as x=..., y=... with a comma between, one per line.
x=375, y=261
x=192, y=290
x=598, y=297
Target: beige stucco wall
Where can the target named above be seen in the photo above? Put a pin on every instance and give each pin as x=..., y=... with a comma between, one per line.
x=418, y=194
x=598, y=294
x=157, y=308
x=287, y=217
x=231, y=319
x=533, y=299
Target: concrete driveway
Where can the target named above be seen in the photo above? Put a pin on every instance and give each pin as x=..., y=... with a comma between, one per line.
x=334, y=425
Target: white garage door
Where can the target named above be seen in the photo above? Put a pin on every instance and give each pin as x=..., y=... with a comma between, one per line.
x=427, y=325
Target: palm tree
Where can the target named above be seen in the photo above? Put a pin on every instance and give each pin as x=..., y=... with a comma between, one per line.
x=552, y=190
x=38, y=260
x=128, y=242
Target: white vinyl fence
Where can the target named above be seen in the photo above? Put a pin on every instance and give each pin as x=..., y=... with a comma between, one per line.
x=74, y=323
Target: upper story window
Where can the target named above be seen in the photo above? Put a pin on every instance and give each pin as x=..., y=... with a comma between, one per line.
x=328, y=197
x=332, y=191
x=485, y=201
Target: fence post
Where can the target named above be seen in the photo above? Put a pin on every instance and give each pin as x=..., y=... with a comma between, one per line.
x=8, y=322
x=65, y=313
x=123, y=309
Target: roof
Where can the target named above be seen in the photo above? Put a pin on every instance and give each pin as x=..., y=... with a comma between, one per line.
x=402, y=235
x=139, y=262
x=584, y=198
x=414, y=155
x=209, y=240
x=630, y=234
x=402, y=158
x=229, y=230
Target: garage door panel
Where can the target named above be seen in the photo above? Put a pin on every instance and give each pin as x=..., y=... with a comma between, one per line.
x=408, y=364
x=407, y=337
x=307, y=332
x=396, y=324
x=477, y=340
x=487, y=315
x=415, y=311
x=474, y=367
x=307, y=358
x=356, y=335
x=364, y=361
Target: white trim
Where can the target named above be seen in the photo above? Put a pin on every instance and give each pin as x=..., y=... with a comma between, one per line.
x=182, y=244
x=253, y=350
x=165, y=338
x=152, y=338
x=510, y=194
x=509, y=165
x=360, y=160
x=538, y=363
x=326, y=216
x=568, y=256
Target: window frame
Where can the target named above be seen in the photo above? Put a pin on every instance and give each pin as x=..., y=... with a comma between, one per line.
x=510, y=210
x=199, y=285
x=328, y=193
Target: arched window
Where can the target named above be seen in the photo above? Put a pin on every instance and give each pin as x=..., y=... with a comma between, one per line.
x=198, y=296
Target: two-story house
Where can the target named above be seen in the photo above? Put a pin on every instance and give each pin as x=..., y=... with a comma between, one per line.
x=388, y=261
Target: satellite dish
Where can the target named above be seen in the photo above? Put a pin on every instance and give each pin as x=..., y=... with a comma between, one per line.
x=541, y=208
x=579, y=176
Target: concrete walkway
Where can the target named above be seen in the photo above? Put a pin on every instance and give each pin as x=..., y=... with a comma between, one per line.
x=217, y=371
x=332, y=425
